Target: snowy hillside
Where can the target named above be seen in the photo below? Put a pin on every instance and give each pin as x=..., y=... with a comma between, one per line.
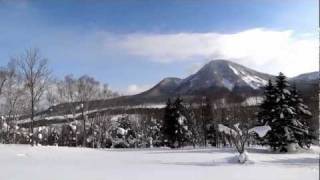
x=22, y=162
x=307, y=77
x=165, y=87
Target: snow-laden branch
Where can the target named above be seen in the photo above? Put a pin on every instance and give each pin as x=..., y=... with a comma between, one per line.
x=260, y=130
x=226, y=130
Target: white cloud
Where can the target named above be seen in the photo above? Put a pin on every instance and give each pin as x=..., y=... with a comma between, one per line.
x=135, y=89
x=265, y=50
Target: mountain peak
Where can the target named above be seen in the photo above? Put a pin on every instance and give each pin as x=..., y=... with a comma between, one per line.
x=216, y=63
x=222, y=73
x=219, y=61
x=219, y=65
x=217, y=75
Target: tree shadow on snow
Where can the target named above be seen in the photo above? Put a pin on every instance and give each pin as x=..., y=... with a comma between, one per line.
x=229, y=161
x=260, y=151
x=199, y=151
x=296, y=162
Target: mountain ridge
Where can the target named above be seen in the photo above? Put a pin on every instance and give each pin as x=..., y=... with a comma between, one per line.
x=216, y=74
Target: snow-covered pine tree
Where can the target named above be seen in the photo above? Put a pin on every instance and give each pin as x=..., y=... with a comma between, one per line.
x=193, y=133
x=265, y=114
x=302, y=113
x=168, y=127
x=175, y=126
x=182, y=132
x=206, y=117
x=281, y=111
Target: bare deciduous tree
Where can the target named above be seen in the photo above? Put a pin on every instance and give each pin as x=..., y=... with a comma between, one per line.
x=105, y=92
x=78, y=92
x=35, y=73
x=3, y=78
x=14, y=95
x=87, y=90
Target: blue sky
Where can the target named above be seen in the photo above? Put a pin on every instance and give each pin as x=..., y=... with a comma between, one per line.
x=133, y=44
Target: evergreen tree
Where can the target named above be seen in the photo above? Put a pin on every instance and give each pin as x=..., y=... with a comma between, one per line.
x=182, y=130
x=175, y=125
x=208, y=128
x=168, y=128
x=266, y=115
x=193, y=134
x=302, y=113
x=284, y=112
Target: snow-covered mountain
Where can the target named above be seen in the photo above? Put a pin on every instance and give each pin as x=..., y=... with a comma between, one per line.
x=217, y=75
x=165, y=87
x=312, y=76
x=223, y=74
x=307, y=83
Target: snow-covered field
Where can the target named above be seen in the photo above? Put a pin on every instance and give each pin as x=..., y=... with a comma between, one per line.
x=23, y=162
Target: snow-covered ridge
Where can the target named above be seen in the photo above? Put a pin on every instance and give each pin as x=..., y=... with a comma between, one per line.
x=252, y=80
x=308, y=76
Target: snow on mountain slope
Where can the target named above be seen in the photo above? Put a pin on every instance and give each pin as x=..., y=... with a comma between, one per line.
x=253, y=81
x=223, y=74
x=307, y=76
x=164, y=87
x=234, y=70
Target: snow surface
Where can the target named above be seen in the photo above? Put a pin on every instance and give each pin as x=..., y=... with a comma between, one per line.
x=252, y=80
x=234, y=70
x=23, y=162
x=243, y=157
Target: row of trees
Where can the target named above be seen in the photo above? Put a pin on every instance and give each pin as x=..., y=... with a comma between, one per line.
x=27, y=87
x=103, y=131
